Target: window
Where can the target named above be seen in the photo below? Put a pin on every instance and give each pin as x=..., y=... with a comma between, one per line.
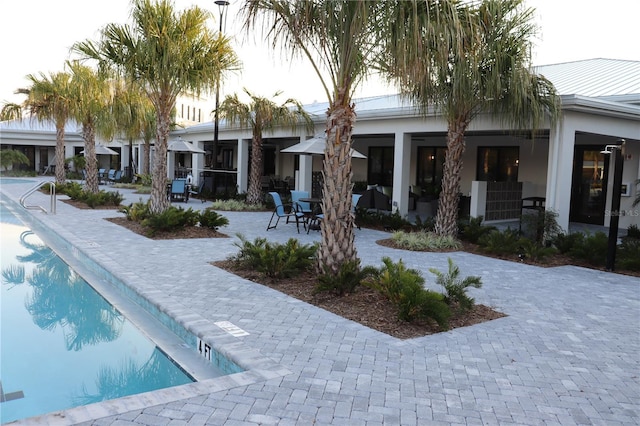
x=429, y=168
x=498, y=164
x=380, y=167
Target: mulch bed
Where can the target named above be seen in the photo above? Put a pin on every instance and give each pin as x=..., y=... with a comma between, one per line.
x=180, y=234
x=366, y=306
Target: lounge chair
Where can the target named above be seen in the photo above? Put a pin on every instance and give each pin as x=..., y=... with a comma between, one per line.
x=179, y=191
x=284, y=211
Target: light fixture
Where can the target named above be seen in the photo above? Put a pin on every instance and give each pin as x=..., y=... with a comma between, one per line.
x=609, y=148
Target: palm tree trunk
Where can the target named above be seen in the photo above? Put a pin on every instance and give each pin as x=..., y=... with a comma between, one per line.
x=447, y=216
x=337, y=245
x=146, y=157
x=60, y=173
x=159, y=201
x=89, y=136
x=254, y=193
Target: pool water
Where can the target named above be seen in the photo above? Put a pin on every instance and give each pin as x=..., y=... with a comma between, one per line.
x=61, y=344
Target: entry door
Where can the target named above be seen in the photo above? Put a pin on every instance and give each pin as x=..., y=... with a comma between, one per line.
x=589, y=186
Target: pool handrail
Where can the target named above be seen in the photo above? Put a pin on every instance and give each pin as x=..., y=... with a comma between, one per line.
x=52, y=194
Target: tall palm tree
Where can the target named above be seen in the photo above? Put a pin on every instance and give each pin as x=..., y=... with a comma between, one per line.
x=482, y=67
x=168, y=53
x=339, y=39
x=261, y=114
x=91, y=93
x=134, y=116
x=48, y=99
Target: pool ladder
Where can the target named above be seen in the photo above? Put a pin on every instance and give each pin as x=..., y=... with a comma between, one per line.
x=52, y=194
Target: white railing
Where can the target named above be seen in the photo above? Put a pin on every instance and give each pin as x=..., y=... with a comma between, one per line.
x=52, y=195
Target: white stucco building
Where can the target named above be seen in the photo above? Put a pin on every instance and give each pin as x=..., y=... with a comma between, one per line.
x=563, y=167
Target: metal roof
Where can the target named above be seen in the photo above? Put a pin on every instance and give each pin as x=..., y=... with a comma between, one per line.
x=596, y=78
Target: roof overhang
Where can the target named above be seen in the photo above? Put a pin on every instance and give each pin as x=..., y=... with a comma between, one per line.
x=600, y=107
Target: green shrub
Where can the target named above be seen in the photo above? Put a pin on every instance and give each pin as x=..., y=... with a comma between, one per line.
x=500, y=242
x=144, y=179
x=209, y=218
x=405, y=289
x=565, y=242
x=633, y=232
x=349, y=277
x=429, y=223
x=541, y=227
x=137, y=211
x=236, y=205
x=421, y=241
x=628, y=255
x=535, y=251
x=455, y=287
x=472, y=229
x=593, y=249
x=388, y=221
x=273, y=259
x=171, y=219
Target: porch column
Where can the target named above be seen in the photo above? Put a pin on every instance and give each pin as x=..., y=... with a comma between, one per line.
x=304, y=174
x=171, y=164
x=197, y=163
x=401, y=169
x=560, y=170
x=243, y=165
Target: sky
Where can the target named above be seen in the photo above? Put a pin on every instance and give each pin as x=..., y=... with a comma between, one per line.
x=37, y=34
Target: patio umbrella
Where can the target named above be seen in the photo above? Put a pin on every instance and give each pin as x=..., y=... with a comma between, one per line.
x=374, y=199
x=103, y=150
x=315, y=146
x=180, y=145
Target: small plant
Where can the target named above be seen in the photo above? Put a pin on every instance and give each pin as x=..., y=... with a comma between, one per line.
x=633, y=231
x=349, y=277
x=171, y=219
x=404, y=287
x=144, y=179
x=423, y=241
x=541, y=227
x=593, y=249
x=628, y=256
x=535, y=251
x=473, y=229
x=236, y=205
x=455, y=287
x=275, y=260
x=565, y=242
x=137, y=211
x=209, y=218
x=500, y=242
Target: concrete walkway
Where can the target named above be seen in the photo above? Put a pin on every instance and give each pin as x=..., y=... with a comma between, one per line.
x=568, y=352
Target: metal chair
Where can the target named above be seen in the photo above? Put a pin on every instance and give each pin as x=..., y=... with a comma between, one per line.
x=285, y=211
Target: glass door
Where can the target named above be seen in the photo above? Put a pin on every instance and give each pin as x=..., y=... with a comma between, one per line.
x=589, y=185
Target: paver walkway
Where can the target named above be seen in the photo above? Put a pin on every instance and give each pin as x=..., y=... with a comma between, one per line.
x=567, y=353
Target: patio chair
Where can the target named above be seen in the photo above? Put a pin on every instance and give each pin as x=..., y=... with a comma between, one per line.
x=355, y=198
x=304, y=207
x=199, y=192
x=179, y=190
x=284, y=211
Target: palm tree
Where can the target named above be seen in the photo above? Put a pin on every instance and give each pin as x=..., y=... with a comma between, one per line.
x=92, y=98
x=10, y=111
x=167, y=53
x=134, y=116
x=483, y=66
x=48, y=99
x=339, y=38
x=261, y=114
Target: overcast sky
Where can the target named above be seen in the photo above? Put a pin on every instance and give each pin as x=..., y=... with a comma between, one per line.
x=36, y=36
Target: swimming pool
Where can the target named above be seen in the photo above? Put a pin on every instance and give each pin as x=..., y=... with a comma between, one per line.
x=62, y=344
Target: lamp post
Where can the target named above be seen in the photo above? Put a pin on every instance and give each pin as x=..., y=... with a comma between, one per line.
x=618, y=164
x=222, y=4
